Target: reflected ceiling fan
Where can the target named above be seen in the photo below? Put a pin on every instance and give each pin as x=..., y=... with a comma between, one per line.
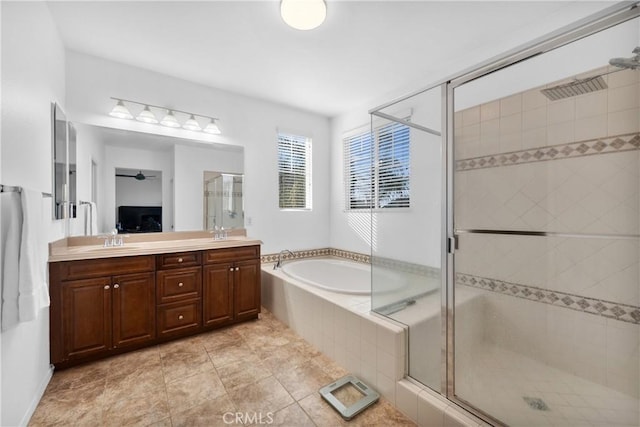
x=139, y=176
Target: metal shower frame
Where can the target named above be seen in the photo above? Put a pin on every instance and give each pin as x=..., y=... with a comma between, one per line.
x=605, y=19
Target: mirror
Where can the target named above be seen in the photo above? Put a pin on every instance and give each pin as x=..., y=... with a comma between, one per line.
x=138, y=201
x=64, y=164
x=176, y=164
x=223, y=200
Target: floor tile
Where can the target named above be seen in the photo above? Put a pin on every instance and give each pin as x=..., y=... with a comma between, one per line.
x=267, y=395
x=179, y=365
x=210, y=413
x=146, y=409
x=242, y=373
x=194, y=390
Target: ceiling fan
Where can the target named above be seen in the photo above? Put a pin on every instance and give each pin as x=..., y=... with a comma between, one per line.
x=139, y=176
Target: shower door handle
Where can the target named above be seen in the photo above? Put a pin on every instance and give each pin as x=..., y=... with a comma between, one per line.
x=452, y=244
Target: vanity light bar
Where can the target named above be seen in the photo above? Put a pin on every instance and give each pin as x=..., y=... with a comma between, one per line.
x=147, y=116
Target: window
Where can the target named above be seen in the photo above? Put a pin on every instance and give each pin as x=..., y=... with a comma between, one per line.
x=376, y=168
x=294, y=171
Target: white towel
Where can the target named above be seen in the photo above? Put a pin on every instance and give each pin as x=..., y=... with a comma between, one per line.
x=33, y=289
x=10, y=234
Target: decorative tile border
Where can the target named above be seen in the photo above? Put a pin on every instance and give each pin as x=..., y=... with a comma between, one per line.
x=613, y=310
x=393, y=264
x=613, y=144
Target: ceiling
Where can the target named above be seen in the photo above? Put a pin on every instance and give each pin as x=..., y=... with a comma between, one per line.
x=364, y=51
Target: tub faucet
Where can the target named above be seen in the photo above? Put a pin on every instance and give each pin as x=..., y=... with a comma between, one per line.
x=285, y=251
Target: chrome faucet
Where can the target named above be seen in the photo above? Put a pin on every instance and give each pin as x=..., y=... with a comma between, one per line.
x=112, y=239
x=279, y=263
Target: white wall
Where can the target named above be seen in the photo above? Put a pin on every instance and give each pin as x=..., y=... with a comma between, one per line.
x=244, y=121
x=134, y=192
x=32, y=77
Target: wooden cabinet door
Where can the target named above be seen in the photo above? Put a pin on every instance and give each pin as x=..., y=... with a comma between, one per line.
x=246, y=287
x=218, y=294
x=134, y=309
x=86, y=317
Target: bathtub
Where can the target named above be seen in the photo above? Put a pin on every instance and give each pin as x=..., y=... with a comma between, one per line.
x=331, y=274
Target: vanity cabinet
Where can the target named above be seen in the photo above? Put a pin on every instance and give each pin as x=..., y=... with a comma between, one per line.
x=106, y=306
x=231, y=285
x=92, y=316
x=179, y=290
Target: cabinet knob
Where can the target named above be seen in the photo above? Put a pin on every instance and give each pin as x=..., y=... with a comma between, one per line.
x=237, y=268
x=180, y=284
x=116, y=286
x=180, y=317
x=179, y=259
x=107, y=286
x=231, y=269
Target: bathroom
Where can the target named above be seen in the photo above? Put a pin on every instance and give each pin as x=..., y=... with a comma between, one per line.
x=59, y=64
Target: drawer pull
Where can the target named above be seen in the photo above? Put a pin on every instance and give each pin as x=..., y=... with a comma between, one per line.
x=180, y=284
x=179, y=259
x=116, y=286
x=107, y=286
x=180, y=317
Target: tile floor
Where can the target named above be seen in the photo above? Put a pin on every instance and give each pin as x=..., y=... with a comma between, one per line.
x=255, y=368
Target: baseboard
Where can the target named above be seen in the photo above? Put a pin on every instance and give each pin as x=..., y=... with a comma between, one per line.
x=37, y=396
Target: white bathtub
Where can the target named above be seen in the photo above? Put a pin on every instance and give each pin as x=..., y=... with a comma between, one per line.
x=331, y=274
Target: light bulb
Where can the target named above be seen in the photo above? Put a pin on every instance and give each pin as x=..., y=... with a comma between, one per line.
x=147, y=116
x=212, y=128
x=170, y=120
x=192, y=124
x=121, y=111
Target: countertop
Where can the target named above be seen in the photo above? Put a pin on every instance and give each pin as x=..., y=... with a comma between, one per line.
x=92, y=247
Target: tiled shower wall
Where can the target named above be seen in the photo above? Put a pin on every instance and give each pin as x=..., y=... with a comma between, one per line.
x=572, y=166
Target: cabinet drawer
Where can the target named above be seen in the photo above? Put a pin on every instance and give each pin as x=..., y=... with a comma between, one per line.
x=104, y=266
x=179, y=284
x=178, y=318
x=231, y=254
x=178, y=260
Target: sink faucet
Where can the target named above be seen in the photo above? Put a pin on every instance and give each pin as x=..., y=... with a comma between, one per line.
x=112, y=239
x=279, y=263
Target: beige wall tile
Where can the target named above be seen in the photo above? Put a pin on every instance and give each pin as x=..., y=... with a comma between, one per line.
x=591, y=127
x=622, y=78
x=511, y=123
x=561, y=111
x=471, y=116
x=560, y=133
x=591, y=104
x=533, y=99
x=621, y=122
x=623, y=98
x=511, y=105
x=490, y=110
x=532, y=138
x=536, y=118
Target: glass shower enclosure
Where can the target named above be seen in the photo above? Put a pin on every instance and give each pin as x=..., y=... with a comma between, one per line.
x=515, y=266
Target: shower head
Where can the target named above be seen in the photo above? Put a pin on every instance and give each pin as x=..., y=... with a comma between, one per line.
x=632, y=63
x=576, y=87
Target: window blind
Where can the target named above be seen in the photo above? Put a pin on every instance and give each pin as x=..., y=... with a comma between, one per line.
x=294, y=171
x=377, y=168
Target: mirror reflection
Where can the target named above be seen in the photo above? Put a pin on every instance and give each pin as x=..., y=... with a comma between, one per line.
x=223, y=201
x=64, y=165
x=144, y=182
x=138, y=201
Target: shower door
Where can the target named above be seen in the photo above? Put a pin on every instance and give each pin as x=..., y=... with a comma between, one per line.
x=546, y=211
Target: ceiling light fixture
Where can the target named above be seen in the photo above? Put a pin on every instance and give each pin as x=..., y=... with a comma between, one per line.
x=170, y=120
x=146, y=115
x=212, y=128
x=192, y=124
x=120, y=111
x=303, y=14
